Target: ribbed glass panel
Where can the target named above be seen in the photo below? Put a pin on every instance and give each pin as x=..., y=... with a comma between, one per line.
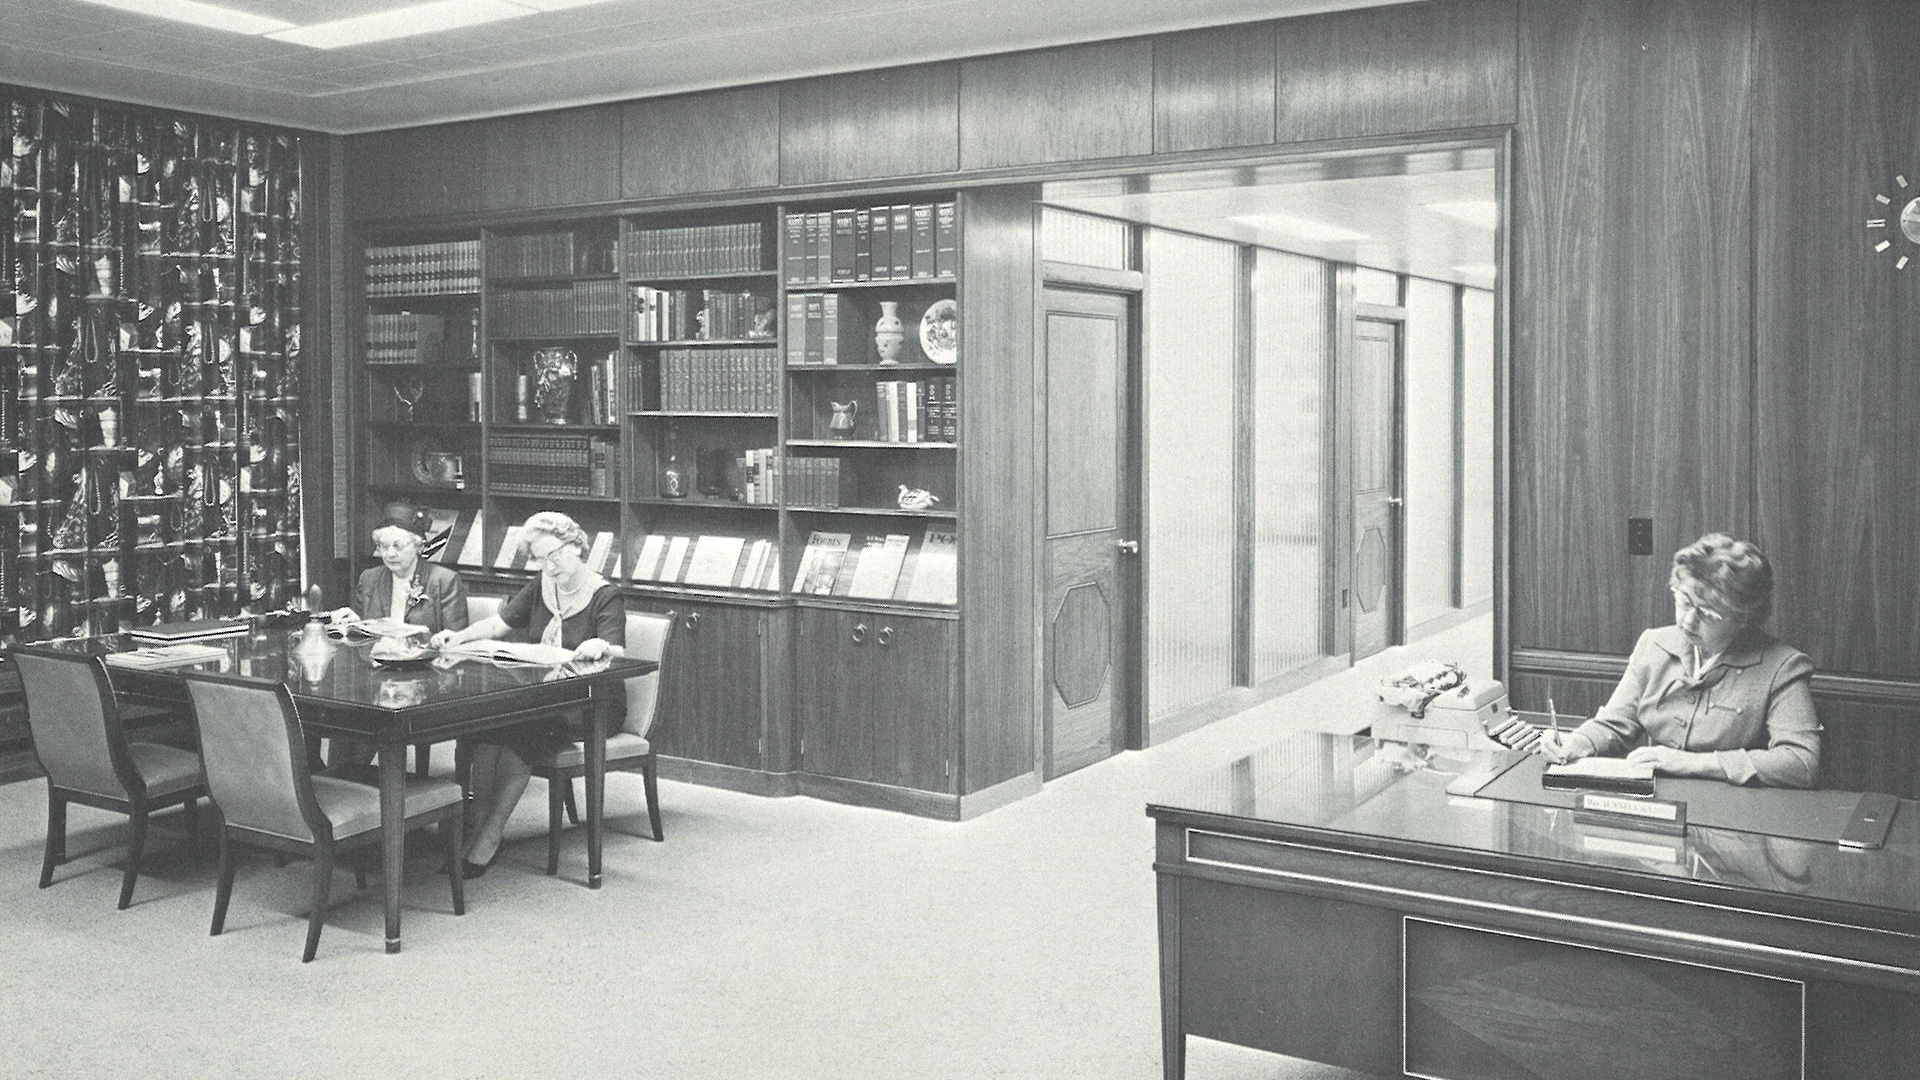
x=1429, y=450
x=1289, y=416
x=1372, y=286
x=1476, y=526
x=1084, y=239
x=1189, y=322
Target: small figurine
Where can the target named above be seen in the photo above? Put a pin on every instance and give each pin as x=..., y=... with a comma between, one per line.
x=916, y=498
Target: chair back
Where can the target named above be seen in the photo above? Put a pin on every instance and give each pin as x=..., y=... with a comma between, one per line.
x=255, y=757
x=75, y=726
x=647, y=635
x=479, y=607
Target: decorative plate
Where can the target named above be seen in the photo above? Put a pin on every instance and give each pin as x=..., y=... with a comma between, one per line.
x=417, y=452
x=940, y=332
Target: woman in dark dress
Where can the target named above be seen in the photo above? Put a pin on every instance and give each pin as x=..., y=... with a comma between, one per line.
x=568, y=606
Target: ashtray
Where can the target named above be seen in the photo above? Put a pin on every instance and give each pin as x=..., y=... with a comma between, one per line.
x=393, y=653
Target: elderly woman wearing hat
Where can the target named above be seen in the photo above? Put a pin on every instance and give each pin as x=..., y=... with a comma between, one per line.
x=1712, y=695
x=403, y=588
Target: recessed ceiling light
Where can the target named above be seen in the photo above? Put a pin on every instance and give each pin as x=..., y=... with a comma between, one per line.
x=1482, y=212
x=208, y=15
x=401, y=22
x=1304, y=228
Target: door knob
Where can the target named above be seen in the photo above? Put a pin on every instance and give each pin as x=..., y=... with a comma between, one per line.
x=1128, y=547
x=885, y=636
x=859, y=633
x=1395, y=500
x=692, y=621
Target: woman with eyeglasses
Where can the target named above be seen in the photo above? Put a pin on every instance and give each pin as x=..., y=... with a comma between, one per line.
x=1713, y=695
x=406, y=588
x=568, y=606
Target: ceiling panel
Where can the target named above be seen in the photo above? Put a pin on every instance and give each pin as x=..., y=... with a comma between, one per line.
x=609, y=51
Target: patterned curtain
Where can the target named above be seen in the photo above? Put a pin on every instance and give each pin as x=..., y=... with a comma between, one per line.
x=150, y=367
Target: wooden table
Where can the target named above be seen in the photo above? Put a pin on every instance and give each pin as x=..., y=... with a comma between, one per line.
x=1329, y=898
x=340, y=691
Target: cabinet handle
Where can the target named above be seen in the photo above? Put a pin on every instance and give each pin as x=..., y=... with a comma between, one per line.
x=885, y=636
x=859, y=633
x=672, y=614
x=692, y=621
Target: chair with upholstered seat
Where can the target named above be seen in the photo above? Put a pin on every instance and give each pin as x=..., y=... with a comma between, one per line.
x=627, y=747
x=259, y=776
x=478, y=607
x=83, y=748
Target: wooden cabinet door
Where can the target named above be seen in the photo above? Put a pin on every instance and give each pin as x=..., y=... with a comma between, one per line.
x=710, y=683
x=911, y=685
x=833, y=659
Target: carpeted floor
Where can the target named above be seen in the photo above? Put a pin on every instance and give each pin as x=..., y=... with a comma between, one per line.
x=764, y=938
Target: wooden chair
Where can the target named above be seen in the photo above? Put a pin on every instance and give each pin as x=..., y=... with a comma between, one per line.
x=258, y=774
x=647, y=636
x=83, y=748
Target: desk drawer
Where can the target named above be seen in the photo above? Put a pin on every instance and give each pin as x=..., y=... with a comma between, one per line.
x=1482, y=1004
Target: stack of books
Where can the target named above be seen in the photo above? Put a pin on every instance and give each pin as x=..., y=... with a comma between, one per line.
x=197, y=630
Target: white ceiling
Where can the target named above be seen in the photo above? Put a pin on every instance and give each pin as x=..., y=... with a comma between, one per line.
x=609, y=51
x=1385, y=199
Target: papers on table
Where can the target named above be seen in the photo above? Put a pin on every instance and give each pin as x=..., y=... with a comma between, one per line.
x=165, y=656
x=385, y=628
x=507, y=652
x=1601, y=774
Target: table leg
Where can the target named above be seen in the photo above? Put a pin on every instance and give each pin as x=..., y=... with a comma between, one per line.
x=1173, y=1035
x=597, y=710
x=393, y=829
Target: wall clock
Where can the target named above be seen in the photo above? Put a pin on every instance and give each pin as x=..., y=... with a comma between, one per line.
x=1906, y=225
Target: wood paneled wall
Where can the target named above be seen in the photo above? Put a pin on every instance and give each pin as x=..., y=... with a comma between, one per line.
x=1837, y=409
x=1632, y=311
x=1441, y=65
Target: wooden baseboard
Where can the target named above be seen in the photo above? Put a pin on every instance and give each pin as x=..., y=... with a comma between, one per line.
x=727, y=777
x=999, y=795
x=930, y=804
x=1240, y=699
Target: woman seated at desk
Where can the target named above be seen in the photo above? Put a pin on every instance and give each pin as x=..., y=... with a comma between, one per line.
x=1712, y=695
x=403, y=588
x=568, y=606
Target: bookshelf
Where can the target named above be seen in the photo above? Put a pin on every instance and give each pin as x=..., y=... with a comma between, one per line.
x=809, y=563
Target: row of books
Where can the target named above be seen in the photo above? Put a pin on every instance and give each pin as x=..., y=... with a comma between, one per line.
x=717, y=380
x=729, y=562
x=584, y=307
x=698, y=314
x=881, y=566
x=548, y=255
x=813, y=328
x=405, y=337
x=812, y=481
x=880, y=243
x=423, y=269
x=915, y=410
x=559, y=464
x=695, y=249
x=600, y=405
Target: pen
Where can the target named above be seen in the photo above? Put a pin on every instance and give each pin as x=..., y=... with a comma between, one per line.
x=1553, y=720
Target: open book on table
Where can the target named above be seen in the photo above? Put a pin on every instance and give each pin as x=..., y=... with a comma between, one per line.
x=508, y=652
x=367, y=628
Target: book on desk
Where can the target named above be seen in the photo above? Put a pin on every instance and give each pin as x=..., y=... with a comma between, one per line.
x=197, y=630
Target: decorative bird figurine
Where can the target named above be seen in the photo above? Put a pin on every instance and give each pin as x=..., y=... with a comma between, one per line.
x=916, y=498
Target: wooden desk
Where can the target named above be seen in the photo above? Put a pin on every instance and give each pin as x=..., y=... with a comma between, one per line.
x=1327, y=898
x=344, y=693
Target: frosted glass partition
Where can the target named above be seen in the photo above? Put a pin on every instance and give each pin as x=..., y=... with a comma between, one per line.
x=1289, y=416
x=1429, y=492
x=1191, y=285
x=1084, y=239
x=1372, y=286
x=1476, y=526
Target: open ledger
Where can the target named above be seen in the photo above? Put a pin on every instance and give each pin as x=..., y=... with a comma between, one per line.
x=507, y=652
x=1600, y=774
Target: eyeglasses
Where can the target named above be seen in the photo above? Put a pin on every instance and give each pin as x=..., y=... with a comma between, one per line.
x=1688, y=603
x=545, y=558
x=395, y=548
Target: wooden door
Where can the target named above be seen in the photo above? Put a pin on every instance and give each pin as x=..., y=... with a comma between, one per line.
x=1375, y=610
x=1091, y=520
x=711, y=701
x=832, y=700
x=912, y=681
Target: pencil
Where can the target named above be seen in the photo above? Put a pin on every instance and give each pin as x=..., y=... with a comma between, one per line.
x=1553, y=719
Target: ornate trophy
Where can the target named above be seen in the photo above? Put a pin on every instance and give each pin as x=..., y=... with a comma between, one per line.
x=553, y=373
